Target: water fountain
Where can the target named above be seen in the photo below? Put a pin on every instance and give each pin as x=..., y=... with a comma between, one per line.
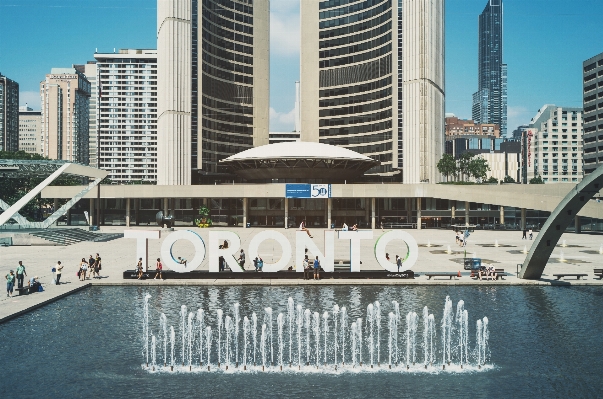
x=525, y=249
x=496, y=243
x=561, y=256
x=449, y=251
x=428, y=243
x=563, y=244
x=329, y=342
x=601, y=249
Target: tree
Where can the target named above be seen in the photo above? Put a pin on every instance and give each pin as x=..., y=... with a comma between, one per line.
x=478, y=168
x=508, y=179
x=447, y=165
x=463, y=165
x=536, y=180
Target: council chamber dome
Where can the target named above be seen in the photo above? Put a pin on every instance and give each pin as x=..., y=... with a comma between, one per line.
x=300, y=161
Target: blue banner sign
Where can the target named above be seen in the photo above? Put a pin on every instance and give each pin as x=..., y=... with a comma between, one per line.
x=308, y=191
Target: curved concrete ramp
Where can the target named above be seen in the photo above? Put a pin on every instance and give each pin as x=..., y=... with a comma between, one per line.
x=556, y=224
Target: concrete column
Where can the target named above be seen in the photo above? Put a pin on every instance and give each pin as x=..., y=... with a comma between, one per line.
x=373, y=211
x=502, y=215
x=408, y=204
x=165, y=207
x=91, y=212
x=127, y=212
x=69, y=217
x=419, y=214
x=329, y=211
x=523, y=219
x=452, y=212
x=286, y=213
x=466, y=213
x=136, y=209
x=244, y=213
x=578, y=225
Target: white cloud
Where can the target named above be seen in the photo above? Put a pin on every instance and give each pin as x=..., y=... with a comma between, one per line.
x=284, y=27
x=282, y=122
x=32, y=98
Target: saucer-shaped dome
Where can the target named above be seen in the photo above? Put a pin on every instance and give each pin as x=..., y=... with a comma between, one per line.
x=299, y=160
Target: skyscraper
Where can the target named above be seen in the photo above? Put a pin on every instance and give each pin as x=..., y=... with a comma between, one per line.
x=213, y=69
x=490, y=100
x=592, y=78
x=127, y=114
x=65, y=95
x=372, y=81
x=9, y=114
x=30, y=122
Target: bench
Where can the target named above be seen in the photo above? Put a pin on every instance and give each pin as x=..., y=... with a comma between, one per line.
x=441, y=274
x=27, y=289
x=577, y=275
x=599, y=272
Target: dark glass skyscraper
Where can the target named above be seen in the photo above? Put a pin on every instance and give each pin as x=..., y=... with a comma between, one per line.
x=490, y=100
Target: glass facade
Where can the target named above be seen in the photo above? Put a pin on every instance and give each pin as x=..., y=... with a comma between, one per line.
x=490, y=101
x=356, y=75
x=223, y=58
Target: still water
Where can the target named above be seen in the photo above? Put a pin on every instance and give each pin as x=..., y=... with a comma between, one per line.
x=543, y=342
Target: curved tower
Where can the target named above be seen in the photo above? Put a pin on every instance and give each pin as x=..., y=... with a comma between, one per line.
x=372, y=81
x=213, y=68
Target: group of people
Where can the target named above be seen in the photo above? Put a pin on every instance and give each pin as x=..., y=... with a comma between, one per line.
x=489, y=272
x=345, y=227
x=309, y=266
x=461, y=238
x=19, y=276
x=88, y=268
x=527, y=232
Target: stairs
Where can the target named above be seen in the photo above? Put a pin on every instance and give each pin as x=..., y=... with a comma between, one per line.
x=73, y=236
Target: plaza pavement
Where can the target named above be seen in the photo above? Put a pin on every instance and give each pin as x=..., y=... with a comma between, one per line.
x=120, y=255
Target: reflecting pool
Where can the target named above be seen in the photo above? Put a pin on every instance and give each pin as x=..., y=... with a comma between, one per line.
x=328, y=341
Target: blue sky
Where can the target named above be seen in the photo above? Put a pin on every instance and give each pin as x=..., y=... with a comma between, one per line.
x=545, y=44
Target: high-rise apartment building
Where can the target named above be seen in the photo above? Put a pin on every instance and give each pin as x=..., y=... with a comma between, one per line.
x=9, y=114
x=490, y=100
x=89, y=69
x=554, y=145
x=593, y=113
x=372, y=81
x=127, y=114
x=30, y=128
x=213, y=70
x=65, y=99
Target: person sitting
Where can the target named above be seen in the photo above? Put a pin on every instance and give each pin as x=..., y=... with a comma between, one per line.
x=387, y=256
x=491, y=272
x=355, y=227
x=344, y=227
x=260, y=264
x=302, y=227
x=182, y=261
x=482, y=271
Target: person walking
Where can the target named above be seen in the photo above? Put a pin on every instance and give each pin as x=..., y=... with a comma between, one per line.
x=91, y=263
x=58, y=268
x=530, y=234
x=10, y=284
x=525, y=232
x=316, y=269
x=139, y=268
x=398, y=262
x=241, y=259
x=20, y=274
x=97, y=266
x=83, y=269
x=159, y=268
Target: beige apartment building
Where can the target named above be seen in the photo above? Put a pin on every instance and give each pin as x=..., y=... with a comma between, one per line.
x=30, y=128
x=463, y=127
x=65, y=99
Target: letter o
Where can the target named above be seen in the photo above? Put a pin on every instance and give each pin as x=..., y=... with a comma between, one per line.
x=254, y=245
x=168, y=257
x=408, y=260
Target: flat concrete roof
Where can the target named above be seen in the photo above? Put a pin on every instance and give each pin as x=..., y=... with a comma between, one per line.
x=543, y=197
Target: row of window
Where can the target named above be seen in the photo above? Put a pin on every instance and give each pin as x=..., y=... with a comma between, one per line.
x=217, y=9
x=348, y=130
x=361, y=88
x=359, y=37
x=372, y=138
x=356, y=109
x=209, y=66
x=349, y=9
x=371, y=44
x=363, y=98
x=356, y=73
x=331, y=23
x=227, y=55
x=356, y=119
x=225, y=33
